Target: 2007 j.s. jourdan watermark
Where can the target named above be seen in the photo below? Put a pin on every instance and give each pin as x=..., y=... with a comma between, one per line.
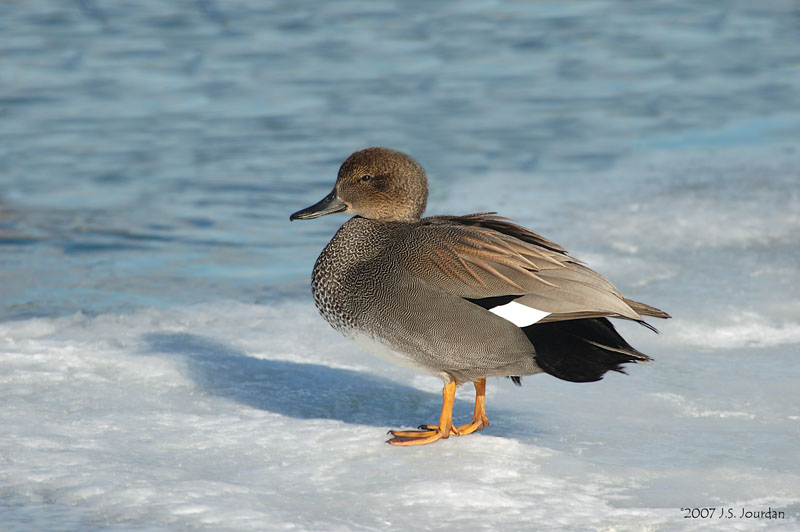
x=727, y=512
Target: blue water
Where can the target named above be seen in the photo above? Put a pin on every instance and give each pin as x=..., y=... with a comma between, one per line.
x=151, y=152
x=162, y=365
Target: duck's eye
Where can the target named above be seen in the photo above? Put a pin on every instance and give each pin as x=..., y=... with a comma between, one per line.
x=366, y=177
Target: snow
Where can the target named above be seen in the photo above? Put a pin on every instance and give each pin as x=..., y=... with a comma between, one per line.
x=247, y=417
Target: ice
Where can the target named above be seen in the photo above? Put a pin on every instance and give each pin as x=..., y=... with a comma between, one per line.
x=232, y=416
x=741, y=329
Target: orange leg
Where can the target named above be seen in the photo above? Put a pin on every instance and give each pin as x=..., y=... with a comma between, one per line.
x=430, y=434
x=479, y=419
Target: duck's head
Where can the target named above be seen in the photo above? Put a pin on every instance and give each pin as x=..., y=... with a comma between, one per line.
x=375, y=183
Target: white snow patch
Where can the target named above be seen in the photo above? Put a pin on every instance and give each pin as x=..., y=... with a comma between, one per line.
x=689, y=409
x=242, y=417
x=739, y=329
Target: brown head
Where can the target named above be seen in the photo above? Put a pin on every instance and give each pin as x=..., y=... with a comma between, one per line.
x=375, y=183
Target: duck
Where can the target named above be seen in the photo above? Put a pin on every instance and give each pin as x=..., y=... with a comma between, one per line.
x=463, y=297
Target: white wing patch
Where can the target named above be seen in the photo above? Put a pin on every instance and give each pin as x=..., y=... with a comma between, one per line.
x=519, y=314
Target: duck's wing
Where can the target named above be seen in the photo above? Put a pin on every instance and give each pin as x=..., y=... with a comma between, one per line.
x=491, y=261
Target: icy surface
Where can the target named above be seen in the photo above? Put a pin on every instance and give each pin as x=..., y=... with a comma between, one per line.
x=162, y=366
x=230, y=416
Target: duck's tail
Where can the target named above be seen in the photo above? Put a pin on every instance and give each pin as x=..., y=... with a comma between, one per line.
x=581, y=350
x=646, y=310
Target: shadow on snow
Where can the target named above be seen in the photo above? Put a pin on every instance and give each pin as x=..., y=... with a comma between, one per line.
x=300, y=390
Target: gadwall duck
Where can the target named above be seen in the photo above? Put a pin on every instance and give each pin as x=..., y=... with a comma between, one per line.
x=460, y=297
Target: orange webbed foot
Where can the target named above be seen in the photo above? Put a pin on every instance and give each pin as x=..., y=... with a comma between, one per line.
x=431, y=433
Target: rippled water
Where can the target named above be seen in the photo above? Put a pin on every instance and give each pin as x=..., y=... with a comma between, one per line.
x=151, y=152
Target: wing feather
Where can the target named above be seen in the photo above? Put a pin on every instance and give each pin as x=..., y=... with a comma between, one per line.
x=484, y=256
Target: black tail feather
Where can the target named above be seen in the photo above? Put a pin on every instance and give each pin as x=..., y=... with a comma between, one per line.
x=516, y=380
x=580, y=350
